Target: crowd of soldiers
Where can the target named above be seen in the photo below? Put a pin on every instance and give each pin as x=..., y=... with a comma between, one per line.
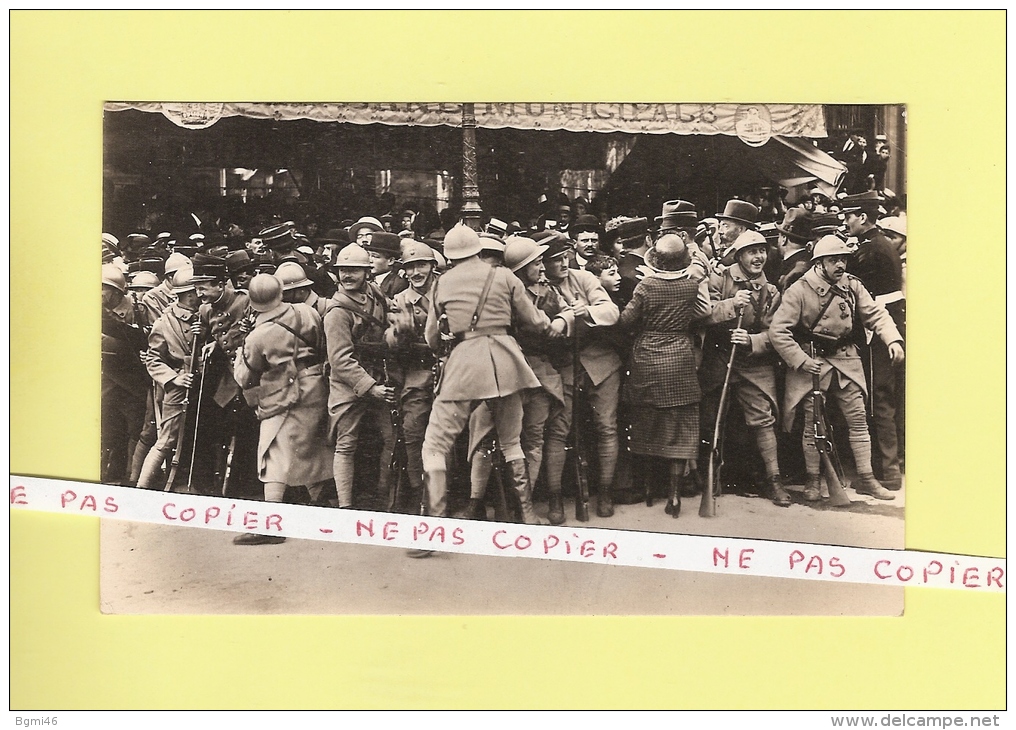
x=371, y=368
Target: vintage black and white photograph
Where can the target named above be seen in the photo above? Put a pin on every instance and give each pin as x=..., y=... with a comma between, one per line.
x=669, y=317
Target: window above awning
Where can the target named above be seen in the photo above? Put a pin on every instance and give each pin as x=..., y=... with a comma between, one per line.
x=753, y=123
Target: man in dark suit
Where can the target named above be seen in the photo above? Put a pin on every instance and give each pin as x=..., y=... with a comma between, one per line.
x=384, y=250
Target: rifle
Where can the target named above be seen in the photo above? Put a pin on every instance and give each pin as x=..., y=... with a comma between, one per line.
x=581, y=465
x=182, y=428
x=837, y=496
x=229, y=465
x=197, y=416
x=398, y=466
x=707, y=507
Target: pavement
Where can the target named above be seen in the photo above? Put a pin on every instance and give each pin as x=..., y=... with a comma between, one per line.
x=157, y=569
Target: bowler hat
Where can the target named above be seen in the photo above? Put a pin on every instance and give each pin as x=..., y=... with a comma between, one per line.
x=585, y=224
x=677, y=214
x=796, y=225
x=740, y=211
x=386, y=244
x=334, y=236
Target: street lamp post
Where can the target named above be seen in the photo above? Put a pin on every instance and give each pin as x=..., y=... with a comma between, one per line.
x=472, y=214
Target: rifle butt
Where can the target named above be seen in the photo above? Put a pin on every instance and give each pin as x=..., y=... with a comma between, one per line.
x=707, y=507
x=837, y=495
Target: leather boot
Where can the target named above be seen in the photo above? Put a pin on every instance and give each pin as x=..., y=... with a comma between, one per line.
x=556, y=513
x=812, y=488
x=475, y=510
x=604, y=502
x=777, y=493
x=520, y=481
x=867, y=484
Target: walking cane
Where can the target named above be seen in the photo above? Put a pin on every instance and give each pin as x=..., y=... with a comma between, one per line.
x=707, y=507
x=197, y=421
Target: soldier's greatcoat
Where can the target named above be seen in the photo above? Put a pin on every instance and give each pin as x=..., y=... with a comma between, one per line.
x=804, y=310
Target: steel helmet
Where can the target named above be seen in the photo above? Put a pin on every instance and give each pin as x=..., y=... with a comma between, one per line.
x=519, y=251
x=112, y=276
x=461, y=242
x=894, y=224
x=292, y=276
x=183, y=280
x=265, y=292
x=352, y=256
x=413, y=251
x=175, y=262
x=143, y=281
x=746, y=239
x=831, y=246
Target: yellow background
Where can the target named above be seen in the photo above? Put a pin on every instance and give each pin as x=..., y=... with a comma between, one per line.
x=949, y=649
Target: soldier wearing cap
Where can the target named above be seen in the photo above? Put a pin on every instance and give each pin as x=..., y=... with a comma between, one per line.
x=492, y=249
x=384, y=250
x=599, y=378
x=741, y=293
x=794, y=237
x=828, y=308
x=738, y=216
x=281, y=360
x=157, y=300
x=125, y=382
x=355, y=322
x=240, y=268
x=877, y=264
x=474, y=305
x=169, y=364
x=298, y=289
x=405, y=338
x=585, y=236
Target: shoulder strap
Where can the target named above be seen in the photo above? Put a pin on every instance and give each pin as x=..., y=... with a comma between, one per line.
x=833, y=293
x=285, y=326
x=358, y=311
x=483, y=299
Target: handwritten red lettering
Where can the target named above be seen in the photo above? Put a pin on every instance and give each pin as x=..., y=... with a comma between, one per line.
x=995, y=574
x=211, y=513
x=610, y=550
x=274, y=521
x=744, y=561
x=796, y=557
x=927, y=569
x=548, y=545
x=499, y=546
x=250, y=520
x=111, y=505
x=836, y=568
x=814, y=561
x=18, y=496
x=187, y=515
x=369, y=527
x=438, y=533
x=67, y=497
x=970, y=578
x=458, y=536
x=725, y=555
x=421, y=529
x=89, y=502
x=586, y=549
x=165, y=511
x=522, y=542
x=879, y=575
x=904, y=570
x=390, y=530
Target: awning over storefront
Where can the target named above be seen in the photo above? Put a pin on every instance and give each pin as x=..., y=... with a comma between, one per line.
x=753, y=123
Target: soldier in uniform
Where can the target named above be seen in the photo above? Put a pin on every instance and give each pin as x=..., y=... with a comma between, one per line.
x=877, y=264
x=298, y=289
x=828, y=308
x=125, y=382
x=355, y=322
x=228, y=423
x=599, y=376
x=282, y=358
x=169, y=364
x=794, y=237
x=158, y=299
x=406, y=338
x=741, y=290
x=475, y=304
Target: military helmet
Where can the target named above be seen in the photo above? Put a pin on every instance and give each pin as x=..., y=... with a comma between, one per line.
x=520, y=251
x=745, y=240
x=112, y=276
x=461, y=242
x=831, y=246
x=413, y=251
x=183, y=280
x=175, y=262
x=292, y=276
x=265, y=292
x=352, y=256
x=143, y=281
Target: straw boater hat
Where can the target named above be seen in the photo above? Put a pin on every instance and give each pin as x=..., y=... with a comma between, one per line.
x=368, y=222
